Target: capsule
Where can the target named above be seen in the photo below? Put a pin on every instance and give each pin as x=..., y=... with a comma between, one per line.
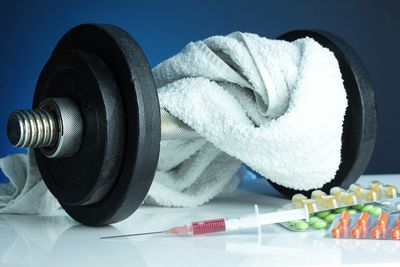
x=389, y=191
x=376, y=232
x=382, y=220
x=336, y=191
x=357, y=231
x=369, y=195
x=356, y=188
x=317, y=195
x=330, y=202
x=311, y=205
x=375, y=186
x=395, y=233
x=345, y=218
x=298, y=200
x=361, y=226
x=337, y=231
x=348, y=198
x=363, y=219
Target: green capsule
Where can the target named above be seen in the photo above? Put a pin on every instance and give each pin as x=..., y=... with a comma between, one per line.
x=312, y=220
x=367, y=207
x=358, y=206
x=351, y=211
x=292, y=223
x=323, y=214
x=339, y=210
x=319, y=224
x=301, y=225
x=329, y=218
x=375, y=211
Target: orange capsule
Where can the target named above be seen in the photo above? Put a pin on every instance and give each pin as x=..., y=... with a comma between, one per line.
x=337, y=231
x=344, y=218
x=363, y=219
x=396, y=233
x=382, y=220
x=357, y=231
x=376, y=232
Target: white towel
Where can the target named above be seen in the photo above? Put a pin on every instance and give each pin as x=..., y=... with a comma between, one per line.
x=26, y=193
x=277, y=106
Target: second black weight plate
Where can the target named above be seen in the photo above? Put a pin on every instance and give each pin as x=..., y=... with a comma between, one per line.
x=360, y=123
x=141, y=121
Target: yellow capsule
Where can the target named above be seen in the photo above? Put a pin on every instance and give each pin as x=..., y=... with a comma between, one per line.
x=298, y=200
x=348, y=198
x=356, y=188
x=369, y=195
x=317, y=195
x=390, y=191
x=375, y=186
x=330, y=202
x=337, y=191
x=311, y=205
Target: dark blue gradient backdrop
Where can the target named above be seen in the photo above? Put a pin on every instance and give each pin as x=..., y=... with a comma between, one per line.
x=30, y=29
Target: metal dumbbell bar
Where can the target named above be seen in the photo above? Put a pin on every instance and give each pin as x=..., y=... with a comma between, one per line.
x=56, y=128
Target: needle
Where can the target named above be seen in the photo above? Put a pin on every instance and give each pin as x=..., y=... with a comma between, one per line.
x=116, y=236
x=230, y=224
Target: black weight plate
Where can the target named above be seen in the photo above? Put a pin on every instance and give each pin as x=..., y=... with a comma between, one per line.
x=88, y=175
x=133, y=77
x=360, y=123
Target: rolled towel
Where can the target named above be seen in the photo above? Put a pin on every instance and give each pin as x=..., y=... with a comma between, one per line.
x=277, y=106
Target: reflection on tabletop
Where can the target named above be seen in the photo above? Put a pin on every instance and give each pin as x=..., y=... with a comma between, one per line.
x=59, y=241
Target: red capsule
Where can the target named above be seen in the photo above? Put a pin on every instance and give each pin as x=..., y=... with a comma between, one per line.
x=337, y=231
x=382, y=220
x=377, y=232
x=357, y=231
x=396, y=233
x=344, y=218
x=363, y=219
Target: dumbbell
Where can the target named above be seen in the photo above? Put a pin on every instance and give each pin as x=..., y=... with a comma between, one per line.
x=96, y=124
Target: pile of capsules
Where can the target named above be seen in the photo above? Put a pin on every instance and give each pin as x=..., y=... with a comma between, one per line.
x=324, y=207
x=365, y=226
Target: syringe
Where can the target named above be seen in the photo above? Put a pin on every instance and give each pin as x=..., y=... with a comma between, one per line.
x=232, y=224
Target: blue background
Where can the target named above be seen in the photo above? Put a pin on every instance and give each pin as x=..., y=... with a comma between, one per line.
x=30, y=29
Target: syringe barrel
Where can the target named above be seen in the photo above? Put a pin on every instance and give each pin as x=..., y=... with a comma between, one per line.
x=264, y=219
x=232, y=224
x=209, y=226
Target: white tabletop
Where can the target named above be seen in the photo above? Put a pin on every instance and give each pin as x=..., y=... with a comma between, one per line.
x=59, y=241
